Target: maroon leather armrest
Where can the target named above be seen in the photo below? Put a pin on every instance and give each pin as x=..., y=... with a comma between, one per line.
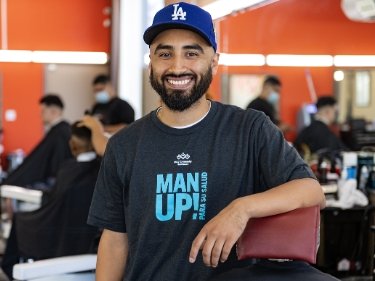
x=293, y=235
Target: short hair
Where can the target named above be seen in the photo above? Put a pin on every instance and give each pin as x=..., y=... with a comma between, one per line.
x=81, y=132
x=101, y=79
x=325, y=101
x=52, y=100
x=272, y=80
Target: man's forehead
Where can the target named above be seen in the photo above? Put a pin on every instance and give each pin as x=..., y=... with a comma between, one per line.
x=179, y=38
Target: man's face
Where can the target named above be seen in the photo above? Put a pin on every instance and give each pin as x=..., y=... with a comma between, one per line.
x=333, y=113
x=181, y=68
x=103, y=92
x=47, y=113
x=99, y=87
x=273, y=88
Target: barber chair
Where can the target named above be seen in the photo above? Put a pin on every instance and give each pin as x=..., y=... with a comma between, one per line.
x=69, y=268
x=284, y=246
x=78, y=267
x=27, y=200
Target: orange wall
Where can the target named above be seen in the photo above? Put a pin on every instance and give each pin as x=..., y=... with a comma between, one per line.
x=67, y=25
x=293, y=27
x=22, y=88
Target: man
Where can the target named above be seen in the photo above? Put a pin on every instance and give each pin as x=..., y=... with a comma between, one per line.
x=59, y=227
x=268, y=101
x=40, y=167
x=113, y=112
x=176, y=188
x=318, y=136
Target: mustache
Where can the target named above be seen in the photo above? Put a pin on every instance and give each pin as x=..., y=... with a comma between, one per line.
x=173, y=75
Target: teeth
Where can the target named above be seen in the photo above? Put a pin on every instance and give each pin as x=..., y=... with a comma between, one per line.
x=179, y=82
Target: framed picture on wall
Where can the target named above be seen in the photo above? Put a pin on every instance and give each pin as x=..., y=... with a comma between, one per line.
x=243, y=88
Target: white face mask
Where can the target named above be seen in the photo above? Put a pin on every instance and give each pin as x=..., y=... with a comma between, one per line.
x=102, y=97
x=273, y=98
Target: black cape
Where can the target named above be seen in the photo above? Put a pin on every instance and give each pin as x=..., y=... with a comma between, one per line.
x=59, y=227
x=45, y=159
x=318, y=136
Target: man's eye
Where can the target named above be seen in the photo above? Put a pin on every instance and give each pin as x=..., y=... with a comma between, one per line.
x=192, y=54
x=164, y=55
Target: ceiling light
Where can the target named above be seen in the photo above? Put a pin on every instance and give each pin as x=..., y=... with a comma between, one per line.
x=338, y=75
x=70, y=57
x=242, y=59
x=300, y=60
x=351, y=60
x=222, y=8
x=15, y=56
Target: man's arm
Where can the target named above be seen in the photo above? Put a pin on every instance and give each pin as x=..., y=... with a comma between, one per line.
x=218, y=236
x=112, y=255
x=98, y=137
x=114, y=128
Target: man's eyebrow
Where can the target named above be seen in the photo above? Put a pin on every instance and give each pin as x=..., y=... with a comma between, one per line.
x=186, y=47
x=194, y=47
x=163, y=47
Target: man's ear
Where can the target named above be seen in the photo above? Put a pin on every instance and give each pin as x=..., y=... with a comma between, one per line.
x=215, y=63
x=149, y=68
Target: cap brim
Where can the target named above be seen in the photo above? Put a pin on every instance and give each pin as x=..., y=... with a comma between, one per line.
x=154, y=31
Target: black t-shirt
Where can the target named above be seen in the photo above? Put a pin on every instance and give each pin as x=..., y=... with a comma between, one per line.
x=160, y=185
x=318, y=136
x=266, y=107
x=116, y=111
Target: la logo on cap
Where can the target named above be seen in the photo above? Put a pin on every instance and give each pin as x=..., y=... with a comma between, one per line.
x=178, y=13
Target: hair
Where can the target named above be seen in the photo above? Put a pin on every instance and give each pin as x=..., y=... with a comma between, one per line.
x=272, y=80
x=52, y=100
x=81, y=132
x=101, y=79
x=325, y=101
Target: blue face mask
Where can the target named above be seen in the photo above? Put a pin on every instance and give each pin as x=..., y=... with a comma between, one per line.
x=273, y=98
x=102, y=97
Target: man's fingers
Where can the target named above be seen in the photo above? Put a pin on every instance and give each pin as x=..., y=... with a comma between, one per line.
x=198, y=244
x=216, y=252
x=207, y=251
x=227, y=248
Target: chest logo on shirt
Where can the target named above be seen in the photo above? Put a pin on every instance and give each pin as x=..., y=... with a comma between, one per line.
x=179, y=194
x=183, y=159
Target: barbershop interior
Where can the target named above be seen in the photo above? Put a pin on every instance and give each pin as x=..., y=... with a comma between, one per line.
x=308, y=65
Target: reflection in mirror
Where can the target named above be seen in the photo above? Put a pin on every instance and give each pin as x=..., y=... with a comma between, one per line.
x=355, y=93
x=362, y=88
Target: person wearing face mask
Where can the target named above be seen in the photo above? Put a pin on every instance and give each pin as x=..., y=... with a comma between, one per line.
x=113, y=112
x=318, y=136
x=268, y=101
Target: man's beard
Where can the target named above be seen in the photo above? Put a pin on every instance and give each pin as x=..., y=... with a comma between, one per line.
x=179, y=100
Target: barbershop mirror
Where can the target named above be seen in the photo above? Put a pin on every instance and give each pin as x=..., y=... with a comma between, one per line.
x=355, y=91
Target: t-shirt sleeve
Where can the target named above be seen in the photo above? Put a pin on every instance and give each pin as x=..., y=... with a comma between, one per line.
x=107, y=206
x=279, y=162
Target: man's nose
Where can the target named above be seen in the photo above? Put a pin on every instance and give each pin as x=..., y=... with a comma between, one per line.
x=178, y=64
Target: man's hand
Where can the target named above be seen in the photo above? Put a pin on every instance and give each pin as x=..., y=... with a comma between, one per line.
x=218, y=236
x=92, y=123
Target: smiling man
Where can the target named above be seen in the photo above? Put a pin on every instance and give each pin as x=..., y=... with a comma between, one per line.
x=176, y=189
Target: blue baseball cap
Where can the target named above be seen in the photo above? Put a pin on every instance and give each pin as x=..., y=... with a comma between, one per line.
x=182, y=16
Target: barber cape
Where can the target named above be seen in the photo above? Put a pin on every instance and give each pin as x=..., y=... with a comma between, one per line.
x=59, y=227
